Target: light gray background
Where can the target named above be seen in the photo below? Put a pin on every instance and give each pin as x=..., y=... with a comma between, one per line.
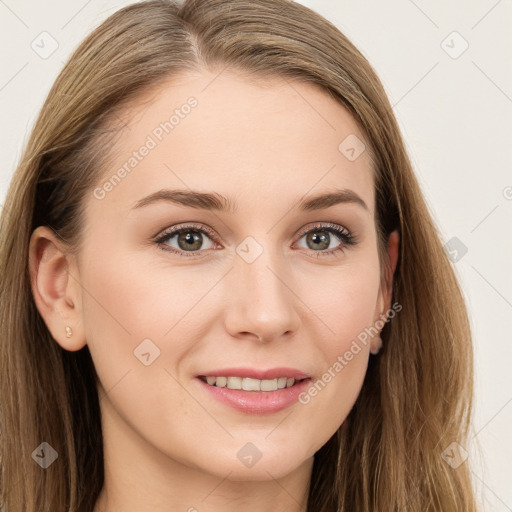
x=455, y=114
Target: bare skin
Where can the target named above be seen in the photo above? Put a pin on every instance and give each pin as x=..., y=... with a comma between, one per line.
x=168, y=444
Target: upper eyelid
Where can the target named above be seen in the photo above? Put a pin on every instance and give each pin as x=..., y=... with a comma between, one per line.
x=173, y=230
x=323, y=225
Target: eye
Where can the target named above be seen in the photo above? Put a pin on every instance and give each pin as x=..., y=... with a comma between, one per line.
x=188, y=238
x=318, y=238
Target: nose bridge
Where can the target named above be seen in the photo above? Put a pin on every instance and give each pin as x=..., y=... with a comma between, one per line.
x=263, y=302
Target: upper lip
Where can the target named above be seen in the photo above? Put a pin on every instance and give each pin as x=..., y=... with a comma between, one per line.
x=254, y=373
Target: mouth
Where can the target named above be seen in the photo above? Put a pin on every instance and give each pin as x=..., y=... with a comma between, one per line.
x=251, y=384
x=255, y=391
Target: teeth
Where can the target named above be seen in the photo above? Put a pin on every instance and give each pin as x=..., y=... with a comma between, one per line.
x=269, y=385
x=249, y=384
x=234, y=383
x=220, y=382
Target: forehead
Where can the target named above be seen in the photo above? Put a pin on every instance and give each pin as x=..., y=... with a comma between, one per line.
x=249, y=138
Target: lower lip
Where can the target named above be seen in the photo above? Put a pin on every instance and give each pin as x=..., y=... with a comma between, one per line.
x=257, y=402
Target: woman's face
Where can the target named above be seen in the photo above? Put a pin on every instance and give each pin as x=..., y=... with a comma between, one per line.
x=265, y=289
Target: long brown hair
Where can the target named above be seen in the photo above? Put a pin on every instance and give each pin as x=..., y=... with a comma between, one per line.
x=417, y=395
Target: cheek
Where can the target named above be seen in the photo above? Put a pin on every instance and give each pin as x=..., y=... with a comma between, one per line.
x=344, y=301
x=127, y=313
x=128, y=301
x=126, y=317
x=347, y=310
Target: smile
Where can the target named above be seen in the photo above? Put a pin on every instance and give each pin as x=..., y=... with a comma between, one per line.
x=250, y=384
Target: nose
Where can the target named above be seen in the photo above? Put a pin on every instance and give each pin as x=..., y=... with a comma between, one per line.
x=261, y=303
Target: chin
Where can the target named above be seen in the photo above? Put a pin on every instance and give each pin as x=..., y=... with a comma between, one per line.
x=261, y=472
x=251, y=464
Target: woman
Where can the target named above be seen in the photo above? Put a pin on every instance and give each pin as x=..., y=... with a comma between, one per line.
x=221, y=285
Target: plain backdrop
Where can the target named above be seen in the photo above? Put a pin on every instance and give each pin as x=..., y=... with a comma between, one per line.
x=446, y=68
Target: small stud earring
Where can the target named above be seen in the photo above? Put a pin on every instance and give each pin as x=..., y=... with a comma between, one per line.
x=69, y=332
x=378, y=346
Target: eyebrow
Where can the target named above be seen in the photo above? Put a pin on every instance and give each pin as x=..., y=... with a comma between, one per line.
x=217, y=202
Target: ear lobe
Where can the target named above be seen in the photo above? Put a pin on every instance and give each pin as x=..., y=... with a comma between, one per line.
x=55, y=294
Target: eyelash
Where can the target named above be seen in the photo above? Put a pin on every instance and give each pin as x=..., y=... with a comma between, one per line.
x=347, y=238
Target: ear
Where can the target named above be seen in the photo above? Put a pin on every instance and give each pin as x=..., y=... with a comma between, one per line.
x=55, y=287
x=386, y=288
